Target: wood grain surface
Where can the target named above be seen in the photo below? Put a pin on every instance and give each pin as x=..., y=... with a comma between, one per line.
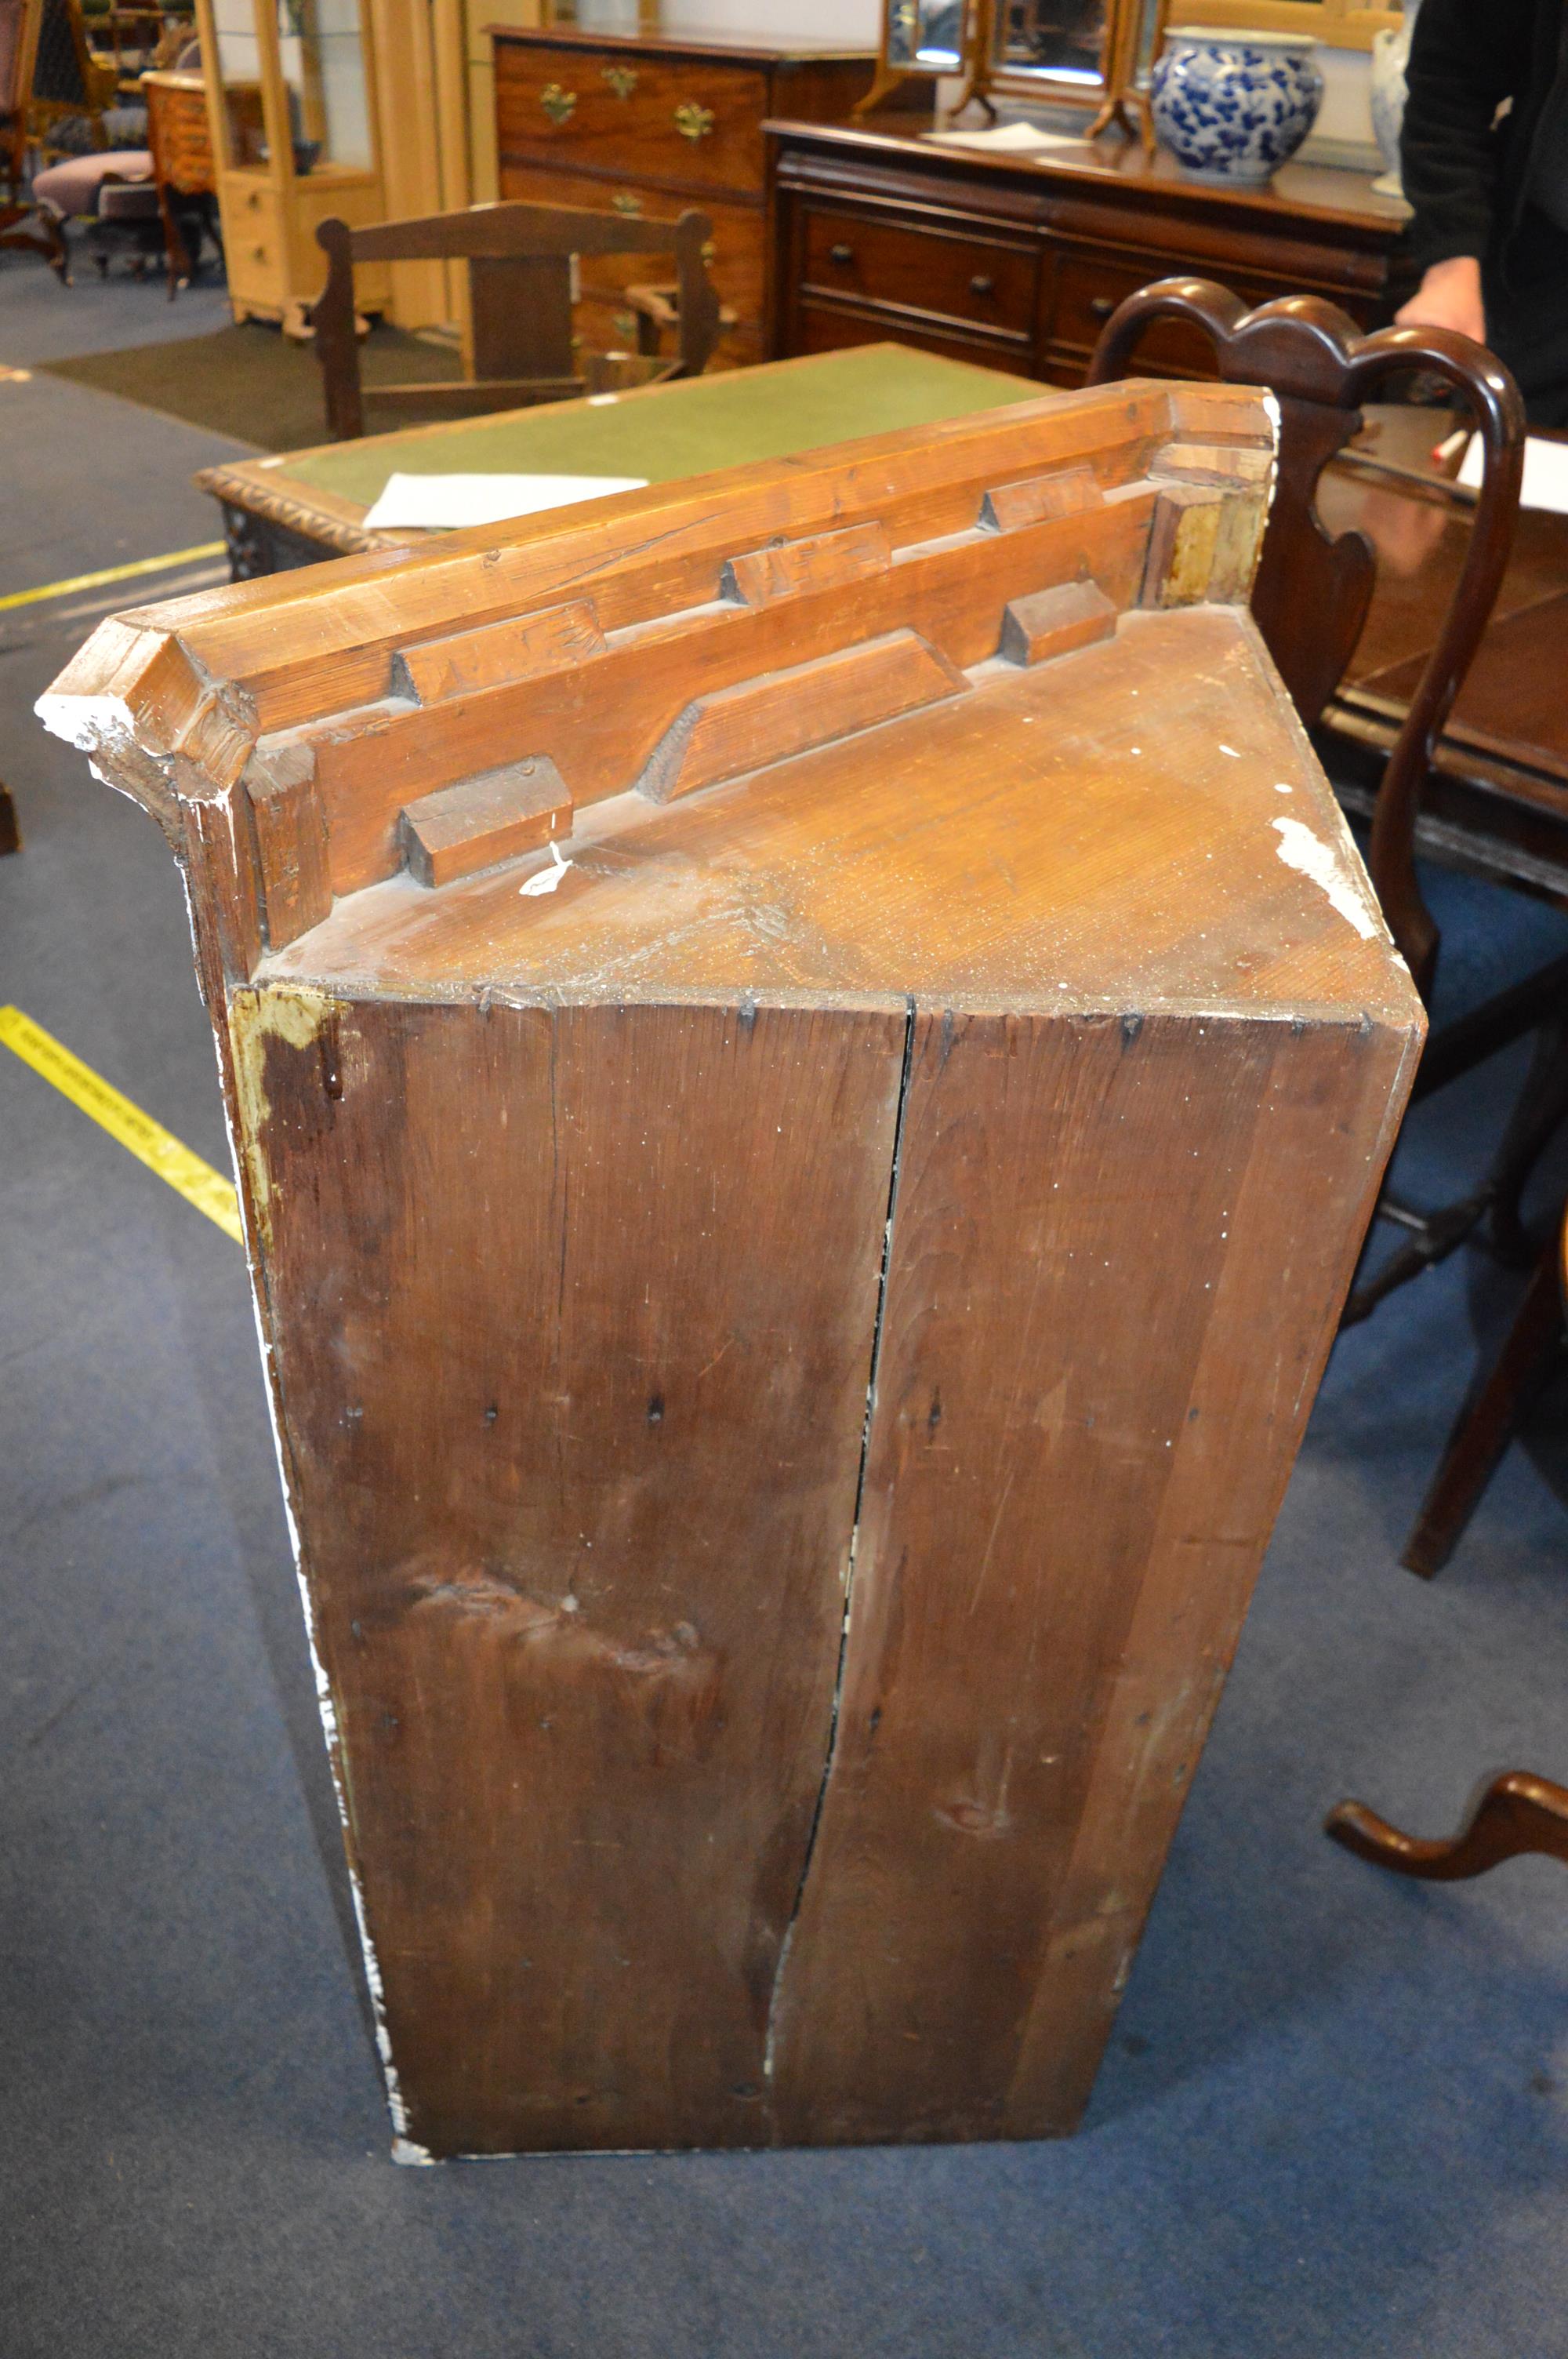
x=576, y=1491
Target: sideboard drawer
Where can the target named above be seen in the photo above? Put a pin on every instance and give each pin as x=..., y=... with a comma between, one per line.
x=981, y=282
x=636, y=116
x=1088, y=290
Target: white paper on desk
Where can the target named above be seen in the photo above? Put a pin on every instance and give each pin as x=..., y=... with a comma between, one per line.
x=441, y=502
x=1007, y=139
x=1545, y=472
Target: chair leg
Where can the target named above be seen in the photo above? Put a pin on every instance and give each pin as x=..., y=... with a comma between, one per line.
x=1514, y=1814
x=1540, y=1110
x=1433, y=1236
x=26, y=229
x=10, y=826
x=1489, y=1420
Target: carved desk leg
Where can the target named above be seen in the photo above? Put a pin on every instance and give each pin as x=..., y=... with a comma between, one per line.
x=1515, y=1814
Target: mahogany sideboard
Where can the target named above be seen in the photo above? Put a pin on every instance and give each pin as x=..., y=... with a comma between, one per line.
x=1020, y=261
x=652, y=122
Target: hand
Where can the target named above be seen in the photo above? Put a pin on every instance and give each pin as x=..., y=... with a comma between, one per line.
x=1448, y=297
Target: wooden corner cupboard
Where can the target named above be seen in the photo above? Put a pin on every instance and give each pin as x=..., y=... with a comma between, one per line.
x=650, y=122
x=1021, y=261
x=809, y=1056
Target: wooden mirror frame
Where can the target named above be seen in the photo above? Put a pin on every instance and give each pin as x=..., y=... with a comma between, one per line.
x=1115, y=98
x=973, y=32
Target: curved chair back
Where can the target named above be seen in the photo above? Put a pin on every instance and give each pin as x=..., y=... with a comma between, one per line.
x=1312, y=591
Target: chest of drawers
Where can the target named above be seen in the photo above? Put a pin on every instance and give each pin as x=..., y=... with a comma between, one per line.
x=652, y=122
x=878, y=234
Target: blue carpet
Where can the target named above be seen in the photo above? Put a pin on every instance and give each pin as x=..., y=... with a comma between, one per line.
x=1334, y=2120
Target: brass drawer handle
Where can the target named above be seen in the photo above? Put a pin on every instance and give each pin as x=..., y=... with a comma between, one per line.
x=1102, y=306
x=841, y=253
x=623, y=80
x=694, y=122
x=981, y=284
x=558, y=105
x=625, y=201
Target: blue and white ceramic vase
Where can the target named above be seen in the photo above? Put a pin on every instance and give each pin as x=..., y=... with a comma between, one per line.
x=1233, y=107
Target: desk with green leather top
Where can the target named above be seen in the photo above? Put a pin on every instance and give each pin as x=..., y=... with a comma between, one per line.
x=303, y=506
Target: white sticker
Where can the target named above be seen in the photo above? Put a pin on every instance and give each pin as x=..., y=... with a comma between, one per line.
x=547, y=879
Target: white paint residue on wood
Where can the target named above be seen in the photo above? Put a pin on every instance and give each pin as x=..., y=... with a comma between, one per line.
x=1300, y=848
x=1271, y=410
x=93, y=724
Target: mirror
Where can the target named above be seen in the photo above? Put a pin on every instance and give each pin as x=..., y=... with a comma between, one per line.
x=926, y=36
x=1059, y=40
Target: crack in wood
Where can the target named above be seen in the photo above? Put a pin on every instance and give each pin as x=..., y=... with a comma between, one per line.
x=769, y=2045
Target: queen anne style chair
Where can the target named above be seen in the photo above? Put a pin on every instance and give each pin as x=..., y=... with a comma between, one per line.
x=520, y=261
x=1310, y=602
x=1517, y=1812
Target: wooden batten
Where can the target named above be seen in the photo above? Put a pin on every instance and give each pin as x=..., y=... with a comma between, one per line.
x=1040, y=499
x=784, y=712
x=460, y=830
x=1053, y=621
x=525, y=648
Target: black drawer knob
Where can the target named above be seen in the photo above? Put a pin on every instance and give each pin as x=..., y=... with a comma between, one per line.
x=1102, y=306
x=981, y=284
x=841, y=254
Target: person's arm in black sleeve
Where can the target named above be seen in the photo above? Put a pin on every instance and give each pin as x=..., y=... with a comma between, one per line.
x=1464, y=61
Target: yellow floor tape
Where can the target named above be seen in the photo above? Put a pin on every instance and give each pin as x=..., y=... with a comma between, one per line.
x=114, y=573
x=196, y=1181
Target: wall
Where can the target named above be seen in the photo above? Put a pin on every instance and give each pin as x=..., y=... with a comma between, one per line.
x=1343, y=132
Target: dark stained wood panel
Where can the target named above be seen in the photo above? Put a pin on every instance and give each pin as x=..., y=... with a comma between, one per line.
x=573, y=1367
x=1060, y=1528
